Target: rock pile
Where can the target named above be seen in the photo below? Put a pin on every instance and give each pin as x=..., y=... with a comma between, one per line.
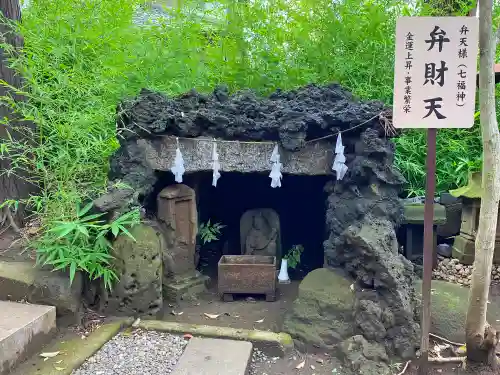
x=453, y=271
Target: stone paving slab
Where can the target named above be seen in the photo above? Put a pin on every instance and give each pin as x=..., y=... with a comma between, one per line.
x=204, y=356
x=23, y=329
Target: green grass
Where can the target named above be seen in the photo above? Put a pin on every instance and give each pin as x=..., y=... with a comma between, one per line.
x=82, y=57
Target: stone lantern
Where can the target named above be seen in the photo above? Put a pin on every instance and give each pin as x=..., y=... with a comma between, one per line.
x=464, y=244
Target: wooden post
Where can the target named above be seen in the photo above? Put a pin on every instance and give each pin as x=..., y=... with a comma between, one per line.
x=430, y=190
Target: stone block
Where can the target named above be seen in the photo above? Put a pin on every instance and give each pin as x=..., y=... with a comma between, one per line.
x=178, y=219
x=453, y=220
x=314, y=159
x=464, y=249
x=178, y=222
x=186, y=287
x=272, y=344
x=204, y=356
x=414, y=214
x=320, y=318
x=138, y=264
x=447, y=199
x=24, y=328
x=24, y=281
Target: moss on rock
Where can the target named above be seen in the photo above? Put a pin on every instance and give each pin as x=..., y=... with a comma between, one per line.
x=449, y=303
x=414, y=214
x=322, y=315
x=271, y=343
x=138, y=263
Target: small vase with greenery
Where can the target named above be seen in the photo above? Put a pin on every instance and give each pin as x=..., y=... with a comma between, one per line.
x=291, y=259
x=293, y=256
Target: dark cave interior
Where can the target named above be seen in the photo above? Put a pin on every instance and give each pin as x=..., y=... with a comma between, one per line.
x=300, y=204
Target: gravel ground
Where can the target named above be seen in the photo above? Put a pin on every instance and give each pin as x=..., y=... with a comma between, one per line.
x=137, y=352
x=259, y=358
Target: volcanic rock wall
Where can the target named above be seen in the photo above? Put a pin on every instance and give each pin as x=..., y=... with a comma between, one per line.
x=363, y=208
x=363, y=211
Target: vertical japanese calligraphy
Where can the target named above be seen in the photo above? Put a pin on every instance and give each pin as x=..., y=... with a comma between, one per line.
x=462, y=68
x=408, y=66
x=435, y=75
x=435, y=69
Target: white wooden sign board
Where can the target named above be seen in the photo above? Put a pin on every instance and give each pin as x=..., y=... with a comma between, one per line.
x=435, y=72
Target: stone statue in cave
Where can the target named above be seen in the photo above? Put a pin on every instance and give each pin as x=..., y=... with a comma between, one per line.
x=260, y=232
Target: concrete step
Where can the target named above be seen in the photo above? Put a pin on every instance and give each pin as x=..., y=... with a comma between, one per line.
x=24, y=328
x=214, y=357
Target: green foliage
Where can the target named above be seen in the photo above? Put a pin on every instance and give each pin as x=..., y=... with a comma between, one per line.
x=83, y=243
x=293, y=255
x=82, y=57
x=209, y=232
x=458, y=154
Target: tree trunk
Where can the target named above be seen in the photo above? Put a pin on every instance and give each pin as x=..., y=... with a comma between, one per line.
x=481, y=338
x=12, y=185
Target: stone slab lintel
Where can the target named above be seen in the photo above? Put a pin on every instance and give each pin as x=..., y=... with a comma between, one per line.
x=314, y=159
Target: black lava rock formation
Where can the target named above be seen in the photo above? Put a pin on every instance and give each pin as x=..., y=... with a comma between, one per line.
x=363, y=208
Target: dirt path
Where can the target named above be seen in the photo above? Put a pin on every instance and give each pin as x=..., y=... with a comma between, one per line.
x=253, y=312
x=454, y=369
x=248, y=312
x=299, y=364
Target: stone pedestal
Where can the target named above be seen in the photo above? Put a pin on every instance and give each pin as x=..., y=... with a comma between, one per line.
x=464, y=245
x=185, y=286
x=414, y=228
x=178, y=219
x=414, y=244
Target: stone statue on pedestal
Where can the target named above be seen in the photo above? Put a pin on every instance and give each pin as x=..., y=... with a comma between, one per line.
x=177, y=217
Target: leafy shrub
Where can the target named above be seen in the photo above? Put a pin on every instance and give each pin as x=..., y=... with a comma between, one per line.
x=83, y=244
x=209, y=232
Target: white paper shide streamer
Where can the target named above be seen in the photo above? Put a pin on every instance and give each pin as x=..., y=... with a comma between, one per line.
x=339, y=163
x=178, y=167
x=215, y=164
x=275, y=168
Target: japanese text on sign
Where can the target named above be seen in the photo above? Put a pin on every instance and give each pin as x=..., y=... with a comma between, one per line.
x=435, y=72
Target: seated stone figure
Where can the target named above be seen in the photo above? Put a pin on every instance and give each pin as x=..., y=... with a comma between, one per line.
x=260, y=233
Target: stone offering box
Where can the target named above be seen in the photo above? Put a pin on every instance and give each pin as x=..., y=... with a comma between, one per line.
x=247, y=274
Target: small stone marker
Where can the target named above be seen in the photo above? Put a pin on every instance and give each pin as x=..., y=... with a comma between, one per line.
x=214, y=357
